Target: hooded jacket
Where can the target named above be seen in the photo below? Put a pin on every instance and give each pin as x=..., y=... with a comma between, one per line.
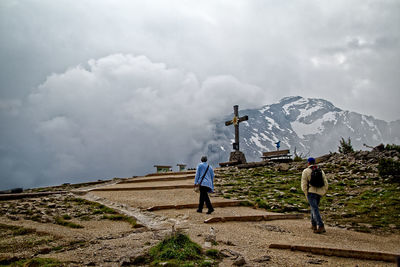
x=208, y=178
x=305, y=183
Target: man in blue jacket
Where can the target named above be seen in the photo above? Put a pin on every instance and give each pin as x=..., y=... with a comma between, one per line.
x=205, y=179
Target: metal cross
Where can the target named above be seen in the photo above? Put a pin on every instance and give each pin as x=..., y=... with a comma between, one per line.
x=235, y=121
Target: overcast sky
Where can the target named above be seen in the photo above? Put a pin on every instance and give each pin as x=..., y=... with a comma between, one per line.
x=99, y=89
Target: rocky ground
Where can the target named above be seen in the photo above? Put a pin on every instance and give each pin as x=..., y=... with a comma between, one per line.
x=78, y=231
x=94, y=230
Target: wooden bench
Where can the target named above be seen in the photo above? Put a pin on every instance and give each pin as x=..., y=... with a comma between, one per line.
x=277, y=155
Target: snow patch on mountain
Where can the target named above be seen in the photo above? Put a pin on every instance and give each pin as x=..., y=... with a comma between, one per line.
x=316, y=127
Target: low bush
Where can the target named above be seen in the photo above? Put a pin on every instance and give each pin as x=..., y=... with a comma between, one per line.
x=392, y=147
x=389, y=167
x=345, y=146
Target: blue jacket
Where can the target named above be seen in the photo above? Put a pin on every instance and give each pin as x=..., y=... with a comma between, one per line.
x=208, y=179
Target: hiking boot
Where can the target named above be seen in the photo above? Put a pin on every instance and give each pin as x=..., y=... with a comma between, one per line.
x=210, y=211
x=314, y=228
x=320, y=230
x=199, y=211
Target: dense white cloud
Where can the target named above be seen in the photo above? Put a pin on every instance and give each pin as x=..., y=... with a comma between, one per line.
x=122, y=114
x=226, y=52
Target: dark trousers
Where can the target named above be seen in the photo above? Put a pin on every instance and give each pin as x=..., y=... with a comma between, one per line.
x=204, y=198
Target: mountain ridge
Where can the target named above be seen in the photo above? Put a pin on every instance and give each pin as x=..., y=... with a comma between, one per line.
x=311, y=126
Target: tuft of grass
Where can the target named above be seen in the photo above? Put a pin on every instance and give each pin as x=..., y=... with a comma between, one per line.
x=61, y=221
x=121, y=217
x=6, y=229
x=66, y=217
x=101, y=209
x=177, y=250
x=214, y=254
x=98, y=208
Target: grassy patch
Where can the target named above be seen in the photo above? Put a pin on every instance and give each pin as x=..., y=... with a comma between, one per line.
x=61, y=221
x=121, y=217
x=14, y=239
x=101, y=209
x=176, y=250
x=96, y=208
x=6, y=230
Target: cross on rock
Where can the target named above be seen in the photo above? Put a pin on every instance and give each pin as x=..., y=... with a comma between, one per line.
x=235, y=121
x=236, y=157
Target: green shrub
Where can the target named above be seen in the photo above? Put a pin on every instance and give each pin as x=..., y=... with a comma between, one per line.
x=297, y=158
x=345, y=146
x=388, y=167
x=392, y=147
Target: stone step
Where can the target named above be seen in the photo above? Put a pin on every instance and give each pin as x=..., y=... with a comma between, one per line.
x=195, y=205
x=252, y=218
x=347, y=253
x=166, y=187
x=171, y=173
x=141, y=180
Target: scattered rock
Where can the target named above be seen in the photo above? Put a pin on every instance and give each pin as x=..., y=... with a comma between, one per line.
x=12, y=217
x=227, y=242
x=211, y=237
x=263, y=259
x=226, y=252
x=240, y=261
x=272, y=228
x=283, y=167
x=316, y=261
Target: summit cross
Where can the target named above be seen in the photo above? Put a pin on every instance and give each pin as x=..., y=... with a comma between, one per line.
x=235, y=121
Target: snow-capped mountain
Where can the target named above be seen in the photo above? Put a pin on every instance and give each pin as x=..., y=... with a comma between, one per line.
x=311, y=126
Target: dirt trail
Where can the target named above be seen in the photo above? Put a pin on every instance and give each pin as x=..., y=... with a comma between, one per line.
x=249, y=239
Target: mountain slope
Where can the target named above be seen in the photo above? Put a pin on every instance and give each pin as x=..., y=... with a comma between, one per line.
x=311, y=126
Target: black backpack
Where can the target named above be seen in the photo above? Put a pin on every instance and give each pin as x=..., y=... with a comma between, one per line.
x=317, y=180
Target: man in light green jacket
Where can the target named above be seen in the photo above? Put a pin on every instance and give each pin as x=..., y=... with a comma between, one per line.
x=313, y=195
